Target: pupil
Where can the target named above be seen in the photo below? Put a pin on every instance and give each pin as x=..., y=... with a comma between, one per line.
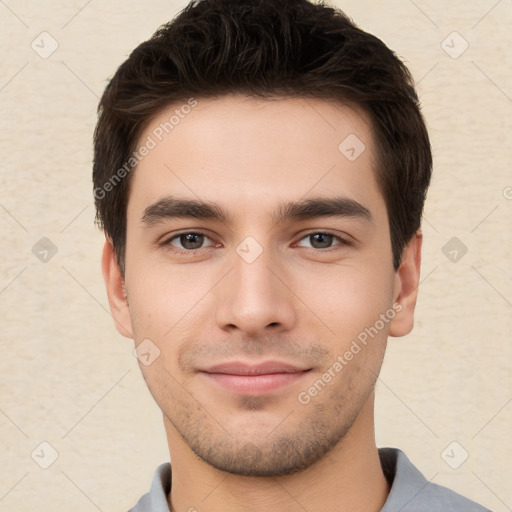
x=321, y=240
x=192, y=240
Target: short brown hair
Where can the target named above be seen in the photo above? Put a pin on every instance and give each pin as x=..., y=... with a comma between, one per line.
x=264, y=48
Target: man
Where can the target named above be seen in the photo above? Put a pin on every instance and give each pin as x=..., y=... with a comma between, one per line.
x=260, y=171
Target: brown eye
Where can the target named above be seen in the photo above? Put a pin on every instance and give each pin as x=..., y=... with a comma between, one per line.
x=188, y=241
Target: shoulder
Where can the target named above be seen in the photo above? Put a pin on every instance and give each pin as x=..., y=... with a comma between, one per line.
x=412, y=492
x=156, y=499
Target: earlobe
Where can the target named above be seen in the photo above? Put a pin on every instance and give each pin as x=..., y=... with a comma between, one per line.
x=406, y=287
x=114, y=283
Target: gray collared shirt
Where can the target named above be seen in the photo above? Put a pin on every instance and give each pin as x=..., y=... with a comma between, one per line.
x=410, y=490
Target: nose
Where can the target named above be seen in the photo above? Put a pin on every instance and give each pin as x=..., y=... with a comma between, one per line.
x=255, y=298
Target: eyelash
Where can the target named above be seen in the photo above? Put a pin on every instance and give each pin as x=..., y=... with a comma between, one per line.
x=166, y=243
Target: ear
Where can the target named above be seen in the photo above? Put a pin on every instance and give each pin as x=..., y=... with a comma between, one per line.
x=114, y=282
x=407, y=280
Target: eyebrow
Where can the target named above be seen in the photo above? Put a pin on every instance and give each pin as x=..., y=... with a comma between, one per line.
x=171, y=207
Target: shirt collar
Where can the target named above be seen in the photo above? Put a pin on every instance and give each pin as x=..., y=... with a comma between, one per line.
x=410, y=491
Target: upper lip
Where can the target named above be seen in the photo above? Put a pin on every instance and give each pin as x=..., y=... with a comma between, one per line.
x=243, y=368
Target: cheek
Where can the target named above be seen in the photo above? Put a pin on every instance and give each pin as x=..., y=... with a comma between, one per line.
x=172, y=307
x=346, y=298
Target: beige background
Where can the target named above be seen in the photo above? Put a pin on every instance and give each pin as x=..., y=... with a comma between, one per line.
x=67, y=377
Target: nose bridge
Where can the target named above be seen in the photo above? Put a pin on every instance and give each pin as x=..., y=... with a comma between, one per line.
x=253, y=279
x=252, y=298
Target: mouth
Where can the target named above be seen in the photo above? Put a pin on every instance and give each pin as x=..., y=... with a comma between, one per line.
x=254, y=379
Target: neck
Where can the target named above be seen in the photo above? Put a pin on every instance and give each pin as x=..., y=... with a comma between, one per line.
x=349, y=478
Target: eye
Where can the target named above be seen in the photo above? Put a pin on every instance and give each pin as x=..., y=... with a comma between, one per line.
x=188, y=241
x=321, y=240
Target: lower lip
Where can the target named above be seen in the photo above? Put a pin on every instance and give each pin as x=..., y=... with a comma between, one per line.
x=254, y=385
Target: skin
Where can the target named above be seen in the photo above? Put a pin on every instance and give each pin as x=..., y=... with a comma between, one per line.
x=302, y=301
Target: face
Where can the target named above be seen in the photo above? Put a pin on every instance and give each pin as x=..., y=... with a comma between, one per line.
x=259, y=279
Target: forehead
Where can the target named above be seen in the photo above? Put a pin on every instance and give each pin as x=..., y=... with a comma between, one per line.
x=242, y=151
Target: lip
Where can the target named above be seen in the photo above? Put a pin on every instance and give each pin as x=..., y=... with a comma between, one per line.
x=254, y=379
